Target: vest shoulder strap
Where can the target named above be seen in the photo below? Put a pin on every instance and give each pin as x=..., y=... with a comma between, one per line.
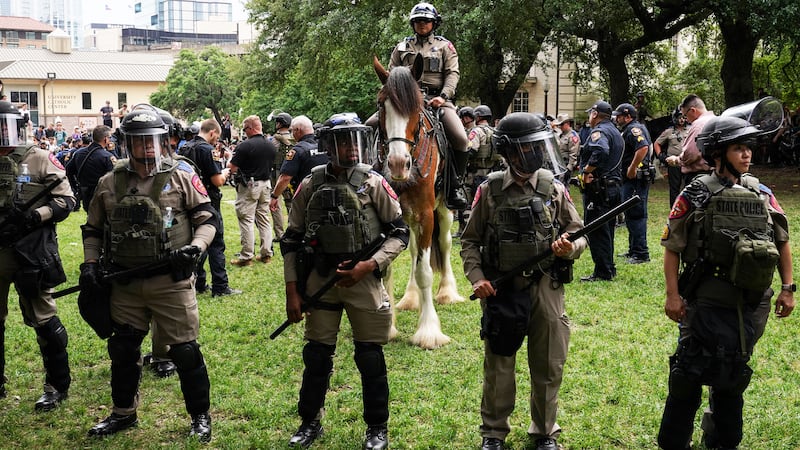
x=544, y=183
x=161, y=178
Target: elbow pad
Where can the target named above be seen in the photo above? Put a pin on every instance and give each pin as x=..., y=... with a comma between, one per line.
x=398, y=230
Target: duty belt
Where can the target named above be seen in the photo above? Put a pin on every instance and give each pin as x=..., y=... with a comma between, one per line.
x=430, y=91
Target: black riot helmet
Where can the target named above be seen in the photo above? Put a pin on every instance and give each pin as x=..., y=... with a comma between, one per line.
x=527, y=144
x=14, y=130
x=284, y=120
x=424, y=11
x=483, y=111
x=144, y=139
x=346, y=140
x=720, y=132
x=466, y=111
x=174, y=128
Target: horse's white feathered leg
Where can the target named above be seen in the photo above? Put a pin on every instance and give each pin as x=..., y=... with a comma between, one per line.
x=448, y=291
x=429, y=331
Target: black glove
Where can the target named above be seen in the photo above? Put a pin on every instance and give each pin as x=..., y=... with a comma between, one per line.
x=25, y=220
x=185, y=258
x=91, y=276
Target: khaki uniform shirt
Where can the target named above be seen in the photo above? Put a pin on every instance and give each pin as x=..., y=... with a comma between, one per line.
x=561, y=209
x=374, y=191
x=569, y=144
x=440, y=68
x=674, y=138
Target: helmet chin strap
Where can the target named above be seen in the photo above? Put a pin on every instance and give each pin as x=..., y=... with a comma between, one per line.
x=729, y=167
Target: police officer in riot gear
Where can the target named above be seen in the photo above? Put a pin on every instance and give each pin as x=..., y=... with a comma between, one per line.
x=342, y=198
x=518, y=213
x=151, y=208
x=439, y=81
x=29, y=250
x=725, y=236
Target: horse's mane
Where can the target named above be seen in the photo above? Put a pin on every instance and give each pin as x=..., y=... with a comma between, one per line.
x=402, y=91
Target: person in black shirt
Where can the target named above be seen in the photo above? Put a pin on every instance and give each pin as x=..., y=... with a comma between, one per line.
x=252, y=166
x=199, y=151
x=88, y=164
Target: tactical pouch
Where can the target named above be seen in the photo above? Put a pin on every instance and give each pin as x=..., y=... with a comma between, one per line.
x=505, y=320
x=754, y=262
x=95, y=308
x=562, y=270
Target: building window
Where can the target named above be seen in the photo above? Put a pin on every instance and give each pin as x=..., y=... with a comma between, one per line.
x=31, y=98
x=520, y=101
x=30, y=35
x=87, y=100
x=137, y=8
x=154, y=19
x=122, y=98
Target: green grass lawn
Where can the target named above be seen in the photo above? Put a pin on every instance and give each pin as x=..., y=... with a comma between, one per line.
x=615, y=380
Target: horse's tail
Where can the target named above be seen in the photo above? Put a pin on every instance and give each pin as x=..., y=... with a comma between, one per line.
x=437, y=256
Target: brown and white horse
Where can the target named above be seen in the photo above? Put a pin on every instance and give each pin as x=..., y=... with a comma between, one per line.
x=412, y=165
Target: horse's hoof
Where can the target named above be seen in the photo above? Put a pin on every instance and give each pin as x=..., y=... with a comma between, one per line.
x=449, y=299
x=430, y=341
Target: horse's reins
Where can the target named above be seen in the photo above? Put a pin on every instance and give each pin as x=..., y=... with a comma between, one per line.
x=420, y=161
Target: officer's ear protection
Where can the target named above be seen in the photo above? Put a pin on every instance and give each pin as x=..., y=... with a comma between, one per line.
x=501, y=142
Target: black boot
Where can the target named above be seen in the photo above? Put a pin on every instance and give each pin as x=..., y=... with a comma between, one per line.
x=456, y=197
x=377, y=438
x=52, y=338
x=113, y=424
x=201, y=427
x=308, y=432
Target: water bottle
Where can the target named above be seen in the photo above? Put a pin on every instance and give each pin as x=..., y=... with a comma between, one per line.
x=168, y=217
x=23, y=178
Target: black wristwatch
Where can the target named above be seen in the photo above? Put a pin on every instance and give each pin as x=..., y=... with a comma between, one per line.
x=444, y=96
x=789, y=287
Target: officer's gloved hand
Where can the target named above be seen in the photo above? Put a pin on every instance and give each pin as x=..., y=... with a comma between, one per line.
x=25, y=220
x=91, y=276
x=185, y=258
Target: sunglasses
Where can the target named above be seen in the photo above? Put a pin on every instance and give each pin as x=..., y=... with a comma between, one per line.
x=422, y=21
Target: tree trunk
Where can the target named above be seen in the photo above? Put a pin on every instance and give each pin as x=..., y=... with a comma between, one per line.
x=613, y=62
x=737, y=63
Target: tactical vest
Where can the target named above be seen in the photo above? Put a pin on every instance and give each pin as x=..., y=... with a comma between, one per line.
x=521, y=227
x=733, y=234
x=9, y=169
x=135, y=230
x=485, y=150
x=336, y=217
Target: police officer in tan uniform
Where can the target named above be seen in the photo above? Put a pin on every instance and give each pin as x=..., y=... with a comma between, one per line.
x=344, y=198
x=29, y=250
x=284, y=142
x=516, y=214
x=439, y=81
x=475, y=137
x=128, y=226
x=725, y=237
x=569, y=144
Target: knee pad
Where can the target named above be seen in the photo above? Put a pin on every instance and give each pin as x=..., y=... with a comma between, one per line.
x=369, y=359
x=318, y=358
x=186, y=356
x=124, y=346
x=52, y=334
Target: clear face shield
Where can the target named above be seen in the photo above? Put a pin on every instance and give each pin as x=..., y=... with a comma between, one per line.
x=348, y=146
x=13, y=131
x=531, y=152
x=145, y=152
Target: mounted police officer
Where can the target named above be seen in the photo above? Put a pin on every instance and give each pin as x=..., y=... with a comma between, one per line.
x=518, y=213
x=726, y=234
x=636, y=180
x=600, y=162
x=149, y=210
x=344, y=198
x=29, y=250
x=439, y=81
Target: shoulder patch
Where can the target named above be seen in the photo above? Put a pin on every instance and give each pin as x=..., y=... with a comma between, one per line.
x=472, y=134
x=477, y=195
x=388, y=188
x=636, y=131
x=575, y=139
x=451, y=47
x=55, y=161
x=290, y=154
x=680, y=208
x=596, y=136
x=773, y=202
x=184, y=166
x=665, y=233
x=198, y=185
